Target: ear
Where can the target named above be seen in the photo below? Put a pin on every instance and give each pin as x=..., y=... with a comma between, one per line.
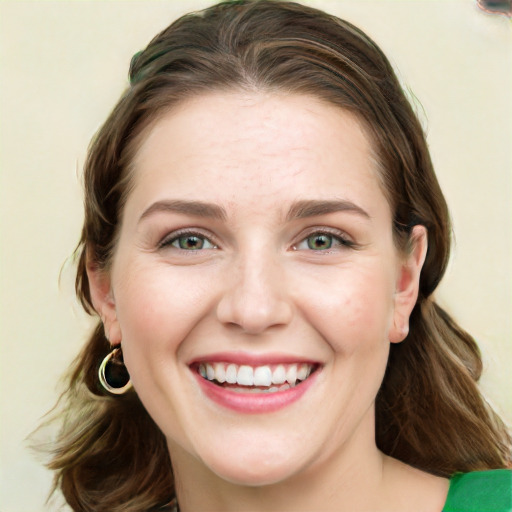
x=408, y=283
x=103, y=301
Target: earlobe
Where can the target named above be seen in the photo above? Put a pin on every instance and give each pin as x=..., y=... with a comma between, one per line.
x=103, y=301
x=407, y=285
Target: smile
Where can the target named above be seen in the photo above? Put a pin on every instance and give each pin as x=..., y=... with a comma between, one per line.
x=259, y=379
x=258, y=388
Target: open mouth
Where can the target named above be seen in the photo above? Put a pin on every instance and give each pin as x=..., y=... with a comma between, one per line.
x=255, y=379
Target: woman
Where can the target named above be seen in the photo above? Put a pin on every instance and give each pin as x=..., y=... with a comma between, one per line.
x=263, y=234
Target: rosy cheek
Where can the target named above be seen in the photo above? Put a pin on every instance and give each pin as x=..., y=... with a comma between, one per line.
x=160, y=304
x=357, y=315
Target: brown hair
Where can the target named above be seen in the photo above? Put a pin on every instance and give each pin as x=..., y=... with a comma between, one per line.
x=429, y=411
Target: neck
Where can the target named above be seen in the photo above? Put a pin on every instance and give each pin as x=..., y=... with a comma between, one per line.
x=349, y=479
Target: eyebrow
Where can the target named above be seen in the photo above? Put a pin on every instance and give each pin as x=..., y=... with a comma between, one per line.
x=195, y=208
x=298, y=210
x=312, y=208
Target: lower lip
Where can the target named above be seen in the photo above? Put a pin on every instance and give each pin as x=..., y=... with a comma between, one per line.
x=254, y=403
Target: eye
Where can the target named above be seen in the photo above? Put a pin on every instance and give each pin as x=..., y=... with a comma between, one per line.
x=321, y=241
x=188, y=242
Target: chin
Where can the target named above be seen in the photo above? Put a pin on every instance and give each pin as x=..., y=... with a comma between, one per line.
x=256, y=467
x=248, y=475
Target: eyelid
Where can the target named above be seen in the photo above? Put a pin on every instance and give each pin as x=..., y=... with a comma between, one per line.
x=167, y=240
x=344, y=239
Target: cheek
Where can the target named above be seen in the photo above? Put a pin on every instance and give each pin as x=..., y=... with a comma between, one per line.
x=158, y=305
x=353, y=310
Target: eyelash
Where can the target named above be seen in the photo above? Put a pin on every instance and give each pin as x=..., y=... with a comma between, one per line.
x=342, y=240
x=337, y=236
x=174, y=237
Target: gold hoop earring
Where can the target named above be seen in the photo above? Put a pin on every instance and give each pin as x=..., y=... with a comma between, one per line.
x=112, y=373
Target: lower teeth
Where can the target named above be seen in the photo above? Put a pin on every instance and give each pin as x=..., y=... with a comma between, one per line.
x=254, y=389
x=249, y=389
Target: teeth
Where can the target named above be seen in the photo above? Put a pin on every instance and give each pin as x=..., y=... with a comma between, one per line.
x=231, y=372
x=279, y=375
x=283, y=376
x=303, y=372
x=273, y=389
x=291, y=374
x=220, y=372
x=262, y=376
x=245, y=376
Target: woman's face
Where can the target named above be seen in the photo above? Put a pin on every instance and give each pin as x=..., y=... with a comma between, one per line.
x=255, y=286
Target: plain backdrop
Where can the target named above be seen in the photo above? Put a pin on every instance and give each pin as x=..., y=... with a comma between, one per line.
x=64, y=64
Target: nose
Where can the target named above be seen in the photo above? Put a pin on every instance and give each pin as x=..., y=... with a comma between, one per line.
x=255, y=298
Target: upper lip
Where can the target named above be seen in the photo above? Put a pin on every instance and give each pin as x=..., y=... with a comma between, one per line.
x=245, y=358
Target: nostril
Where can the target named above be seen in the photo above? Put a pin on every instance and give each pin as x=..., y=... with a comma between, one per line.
x=253, y=311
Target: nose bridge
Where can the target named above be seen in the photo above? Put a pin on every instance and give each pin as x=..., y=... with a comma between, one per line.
x=255, y=296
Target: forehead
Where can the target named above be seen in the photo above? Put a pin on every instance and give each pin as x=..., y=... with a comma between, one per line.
x=249, y=148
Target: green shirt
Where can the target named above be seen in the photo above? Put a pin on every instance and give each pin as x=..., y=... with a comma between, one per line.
x=480, y=491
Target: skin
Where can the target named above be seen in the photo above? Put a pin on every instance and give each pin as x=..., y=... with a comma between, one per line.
x=257, y=288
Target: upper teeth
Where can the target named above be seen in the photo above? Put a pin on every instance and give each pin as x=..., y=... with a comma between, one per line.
x=245, y=375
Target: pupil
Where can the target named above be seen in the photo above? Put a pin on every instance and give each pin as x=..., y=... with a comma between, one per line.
x=320, y=242
x=191, y=242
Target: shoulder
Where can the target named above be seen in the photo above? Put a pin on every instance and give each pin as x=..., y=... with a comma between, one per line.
x=480, y=491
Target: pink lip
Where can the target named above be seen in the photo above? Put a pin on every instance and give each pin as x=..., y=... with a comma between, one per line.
x=240, y=358
x=254, y=403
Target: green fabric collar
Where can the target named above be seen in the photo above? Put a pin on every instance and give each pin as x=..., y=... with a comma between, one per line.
x=480, y=491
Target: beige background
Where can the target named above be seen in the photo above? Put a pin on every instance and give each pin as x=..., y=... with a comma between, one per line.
x=63, y=65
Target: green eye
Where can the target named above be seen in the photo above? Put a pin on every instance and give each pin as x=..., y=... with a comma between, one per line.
x=323, y=241
x=191, y=242
x=319, y=242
